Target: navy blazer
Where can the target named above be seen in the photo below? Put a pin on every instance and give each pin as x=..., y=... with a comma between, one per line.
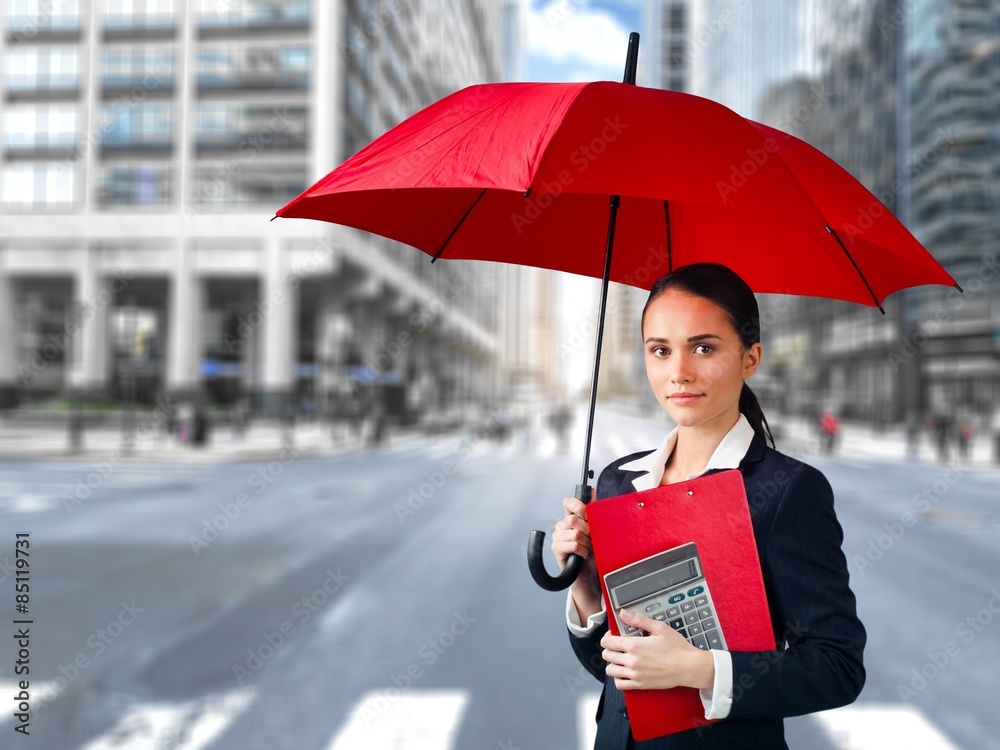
x=818, y=664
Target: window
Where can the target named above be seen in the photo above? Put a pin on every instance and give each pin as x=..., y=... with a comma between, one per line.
x=134, y=185
x=140, y=125
x=27, y=185
x=31, y=67
x=40, y=126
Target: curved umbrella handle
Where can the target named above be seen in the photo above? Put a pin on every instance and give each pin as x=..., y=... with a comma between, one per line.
x=574, y=563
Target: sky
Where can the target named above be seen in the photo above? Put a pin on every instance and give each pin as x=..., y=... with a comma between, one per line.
x=577, y=40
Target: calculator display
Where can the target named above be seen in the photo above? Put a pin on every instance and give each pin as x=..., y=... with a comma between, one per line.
x=666, y=578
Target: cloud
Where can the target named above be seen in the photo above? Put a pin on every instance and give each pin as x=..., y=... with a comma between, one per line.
x=569, y=40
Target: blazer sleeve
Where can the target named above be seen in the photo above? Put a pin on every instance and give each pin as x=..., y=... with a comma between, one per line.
x=812, y=605
x=588, y=651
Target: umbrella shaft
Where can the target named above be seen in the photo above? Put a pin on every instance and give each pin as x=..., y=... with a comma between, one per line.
x=609, y=245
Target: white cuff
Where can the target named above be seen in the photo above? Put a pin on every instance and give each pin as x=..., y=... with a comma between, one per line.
x=595, y=620
x=719, y=700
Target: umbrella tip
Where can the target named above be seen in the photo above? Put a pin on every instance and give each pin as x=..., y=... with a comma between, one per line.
x=273, y=218
x=959, y=288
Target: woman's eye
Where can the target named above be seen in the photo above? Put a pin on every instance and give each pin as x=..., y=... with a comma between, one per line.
x=703, y=349
x=660, y=351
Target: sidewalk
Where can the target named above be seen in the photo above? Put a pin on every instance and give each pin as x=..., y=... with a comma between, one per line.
x=262, y=440
x=864, y=442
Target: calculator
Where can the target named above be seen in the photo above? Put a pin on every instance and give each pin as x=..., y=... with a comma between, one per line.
x=671, y=587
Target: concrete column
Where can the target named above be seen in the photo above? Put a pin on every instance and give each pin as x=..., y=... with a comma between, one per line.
x=185, y=337
x=9, y=385
x=279, y=304
x=87, y=323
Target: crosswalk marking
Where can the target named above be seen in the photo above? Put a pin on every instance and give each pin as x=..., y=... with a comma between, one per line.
x=874, y=726
x=586, y=725
x=415, y=720
x=191, y=725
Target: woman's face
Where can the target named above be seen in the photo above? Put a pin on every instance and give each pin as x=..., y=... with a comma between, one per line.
x=695, y=361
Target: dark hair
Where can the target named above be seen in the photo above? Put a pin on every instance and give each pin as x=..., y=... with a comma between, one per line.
x=723, y=286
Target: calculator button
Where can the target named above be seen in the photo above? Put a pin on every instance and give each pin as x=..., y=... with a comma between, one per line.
x=683, y=632
x=662, y=616
x=673, y=611
x=708, y=623
x=700, y=642
x=696, y=590
x=653, y=606
x=629, y=630
x=676, y=598
x=701, y=601
x=703, y=613
x=690, y=618
x=687, y=606
x=712, y=636
x=677, y=624
x=694, y=629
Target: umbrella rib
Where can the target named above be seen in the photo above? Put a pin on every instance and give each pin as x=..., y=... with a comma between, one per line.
x=670, y=246
x=856, y=268
x=458, y=226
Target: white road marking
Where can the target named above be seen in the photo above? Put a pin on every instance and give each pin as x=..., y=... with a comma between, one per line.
x=586, y=724
x=389, y=719
x=39, y=693
x=191, y=725
x=879, y=725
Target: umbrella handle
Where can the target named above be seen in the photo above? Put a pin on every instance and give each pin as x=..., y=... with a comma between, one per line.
x=574, y=563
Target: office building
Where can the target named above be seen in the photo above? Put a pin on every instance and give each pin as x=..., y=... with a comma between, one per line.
x=146, y=144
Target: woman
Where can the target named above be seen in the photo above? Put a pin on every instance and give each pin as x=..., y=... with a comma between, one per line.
x=701, y=334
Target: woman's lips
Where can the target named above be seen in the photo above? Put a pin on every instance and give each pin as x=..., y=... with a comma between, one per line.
x=682, y=399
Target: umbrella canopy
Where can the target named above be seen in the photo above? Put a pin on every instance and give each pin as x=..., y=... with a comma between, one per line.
x=522, y=173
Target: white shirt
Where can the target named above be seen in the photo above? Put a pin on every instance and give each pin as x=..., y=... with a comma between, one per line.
x=719, y=699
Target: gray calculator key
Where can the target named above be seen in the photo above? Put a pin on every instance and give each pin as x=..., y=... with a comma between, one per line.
x=714, y=641
x=700, y=642
x=708, y=624
x=694, y=629
x=673, y=611
x=703, y=613
x=701, y=601
x=687, y=606
x=629, y=630
x=662, y=616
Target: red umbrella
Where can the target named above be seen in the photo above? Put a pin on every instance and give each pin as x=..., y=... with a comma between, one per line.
x=523, y=172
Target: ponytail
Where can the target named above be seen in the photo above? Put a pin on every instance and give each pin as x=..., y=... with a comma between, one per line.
x=750, y=408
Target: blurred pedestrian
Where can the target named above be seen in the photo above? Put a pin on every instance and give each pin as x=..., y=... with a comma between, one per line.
x=943, y=428
x=995, y=428
x=829, y=429
x=964, y=436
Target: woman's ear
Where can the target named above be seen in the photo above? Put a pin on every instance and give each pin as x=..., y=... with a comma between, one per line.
x=751, y=359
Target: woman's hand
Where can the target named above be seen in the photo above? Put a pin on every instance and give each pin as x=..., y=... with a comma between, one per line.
x=662, y=660
x=572, y=537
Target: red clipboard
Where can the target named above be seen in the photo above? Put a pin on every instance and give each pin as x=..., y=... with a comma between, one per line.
x=713, y=512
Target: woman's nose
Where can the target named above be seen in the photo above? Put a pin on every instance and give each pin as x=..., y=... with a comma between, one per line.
x=681, y=371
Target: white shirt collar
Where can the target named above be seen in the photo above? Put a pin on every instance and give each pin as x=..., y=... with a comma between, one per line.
x=728, y=455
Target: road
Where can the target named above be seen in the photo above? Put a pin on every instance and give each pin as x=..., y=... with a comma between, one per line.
x=378, y=597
